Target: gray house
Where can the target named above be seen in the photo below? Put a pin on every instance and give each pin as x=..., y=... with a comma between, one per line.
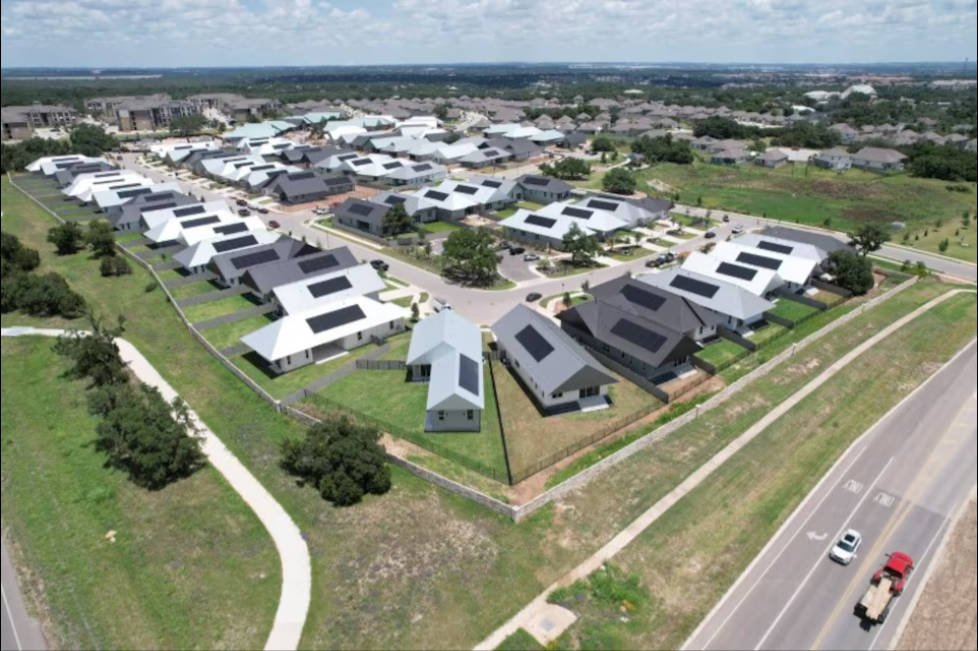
x=362, y=215
x=878, y=159
x=446, y=352
x=231, y=267
x=543, y=189
x=263, y=278
x=65, y=176
x=657, y=305
x=303, y=187
x=772, y=158
x=555, y=371
x=836, y=158
x=129, y=216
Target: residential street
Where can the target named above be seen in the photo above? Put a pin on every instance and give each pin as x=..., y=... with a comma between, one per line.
x=18, y=630
x=898, y=485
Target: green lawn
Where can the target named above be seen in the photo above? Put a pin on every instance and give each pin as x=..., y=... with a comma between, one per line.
x=562, y=268
x=214, y=309
x=441, y=227
x=961, y=239
x=399, y=406
x=520, y=641
x=191, y=566
x=793, y=310
x=229, y=334
x=810, y=195
x=722, y=524
x=721, y=352
x=503, y=213
x=629, y=254
x=768, y=333
x=658, y=241
x=193, y=289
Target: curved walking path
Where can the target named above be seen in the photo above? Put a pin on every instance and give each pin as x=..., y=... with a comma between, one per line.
x=546, y=621
x=293, y=605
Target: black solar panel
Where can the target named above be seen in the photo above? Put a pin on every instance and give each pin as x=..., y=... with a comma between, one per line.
x=603, y=205
x=489, y=183
x=489, y=153
x=694, y=286
x=423, y=167
x=535, y=180
x=236, y=243
x=107, y=181
x=393, y=165
x=318, y=263
x=759, y=260
x=347, y=156
x=468, y=374
x=330, y=286
x=252, y=259
x=259, y=168
x=231, y=228
x=436, y=195
x=125, y=194
x=393, y=200
x=200, y=221
x=189, y=210
x=576, y=212
x=157, y=206
x=774, y=246
x=335, y=319
x=466, y=189
x=534, y=343
x=104, y=174
x=63, y=158
x=537, y=220
x=735, y=270
x=361, y=162
x=642, y=297
x=361, y=209
x=636, y=334
x=124, y=186
x=157, y=195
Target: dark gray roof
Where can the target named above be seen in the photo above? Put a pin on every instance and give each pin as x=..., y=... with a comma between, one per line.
x=827, y=243
x=538, y=182
x=266, y=277
x=234, y=264
x=655, y=305
x=132, y=212
x=517, y=147
x=67, y=175
x=555, y=361
x=653, y=205
x=362, y=210
x=300, y=184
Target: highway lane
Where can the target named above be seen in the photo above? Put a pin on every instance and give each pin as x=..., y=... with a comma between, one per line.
x=898, y=485
x=18, y=630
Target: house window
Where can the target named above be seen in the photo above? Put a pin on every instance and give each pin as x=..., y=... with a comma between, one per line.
x=557, y=394
x=359, y=336
x=441, y=415
x=470, y=414
x=391, y=325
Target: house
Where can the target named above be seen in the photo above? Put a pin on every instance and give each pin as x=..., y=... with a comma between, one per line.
x=758, y=281
x=195, y=258
x=656, y=305
x=190, y=231
x=729, y=155
x=518, y=150
x=835, y=158
x=543, y=189
x=619, y=334
x=115, y=195
x=490, y=156
x=794, y=271
x=783, y=246
x=878, y=159
x=417, y=174
x=329, y=286
x=734, y=306
x=446, y=352
x=50, y=165
x=555, y=371
x=231, y=267
x=262, y=279
x=129, y=216
x=772, y=158
x=64, y=177
x=822, y=241
x=362, y=215
x=85, y=185
x=324, y=332
x=151, y=218
x=306, y=186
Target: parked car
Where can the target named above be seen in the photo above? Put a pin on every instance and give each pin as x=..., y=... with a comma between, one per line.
x=379, y=265
x=503, y=244
x=241, y=202
x=845, y=549
x=273, y=224
x=533, y=297
x=710, y=234
x=516, y=250
x=440, y=304
x=263, y=211
x=726, y=218
x=530, y=257
x=243, y=212
x=737, y=229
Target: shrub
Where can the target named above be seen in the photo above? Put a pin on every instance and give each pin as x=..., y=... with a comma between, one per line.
x=45, y=295
x=114, y=265
x=17, y=256
x=67, y=238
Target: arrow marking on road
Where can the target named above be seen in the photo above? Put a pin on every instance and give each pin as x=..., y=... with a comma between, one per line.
x=817, y=537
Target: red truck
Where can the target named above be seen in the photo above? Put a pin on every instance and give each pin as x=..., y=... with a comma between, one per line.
x=885, y=586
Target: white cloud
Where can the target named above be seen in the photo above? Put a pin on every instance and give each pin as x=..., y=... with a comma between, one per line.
x=308, y=32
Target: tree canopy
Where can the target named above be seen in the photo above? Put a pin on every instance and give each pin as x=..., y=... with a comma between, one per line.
x=67, y=238
x=942, y=162
x=188, y=125
x=602, y=143
x=101, y=238
x=619, y=180
x=91, y=140
x=567, y=168
x=851, y=271
x=341, y=458
x=807, y=134
x=582, y=246
x=468, y=256
x=397, y=221
x=869, y=237
x=663, y=150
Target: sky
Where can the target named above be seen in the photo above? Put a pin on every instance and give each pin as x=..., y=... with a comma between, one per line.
x=180, y=33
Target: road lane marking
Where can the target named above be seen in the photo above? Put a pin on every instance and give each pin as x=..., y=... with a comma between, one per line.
x=821, y=559
x=884, y=499
x=787, y=544
x=853, y=486
x=10, y=618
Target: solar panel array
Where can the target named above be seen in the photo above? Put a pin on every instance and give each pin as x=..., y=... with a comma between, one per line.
x=423, y=167
x=603, y=205
x=466, y=189
x=330, y=286
x=774, y=246
x=335, y=319
x=259, y=168
x=347, y=156
x=694, y=286
x=642, y=337
x=361, y=209
x=759, y=260
x=125, y=194
x=200, y=221
x=534, y=343
x=318, y=263
x=468, y=374
x=256, y=258
x=436, y=195
x=104, y=174
x=393, y=165
x=231, y=228
x=489, y=183
x=158, y=206
x=394, y=199
x=236, y=243
x=537, y=220
x=577, y=213
x=535, y=180
x=189, y=210
x=361, y=162
x=736, y=271
x=489, y=153
x=642, y=297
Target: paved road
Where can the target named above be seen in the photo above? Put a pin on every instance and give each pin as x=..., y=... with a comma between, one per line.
x=18, y=630
x=293, y=605
x=899, y=485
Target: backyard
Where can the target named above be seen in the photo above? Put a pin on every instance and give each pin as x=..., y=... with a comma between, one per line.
x=793, y=310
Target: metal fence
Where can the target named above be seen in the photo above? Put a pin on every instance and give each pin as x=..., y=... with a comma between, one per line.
x=381, y=364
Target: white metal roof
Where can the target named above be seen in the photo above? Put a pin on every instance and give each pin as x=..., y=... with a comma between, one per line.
x=199, y=254
x=118, y=194
x=790, y=268
x=800, y=249
x=728, y=299
x=48, y=165
x=153, y=218
x=760, y=281
x=439, y=340
x=82, y=186
x=301, y=295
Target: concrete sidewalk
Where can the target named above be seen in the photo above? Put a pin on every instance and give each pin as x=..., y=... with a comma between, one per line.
x=293, y=605
x=546, y=621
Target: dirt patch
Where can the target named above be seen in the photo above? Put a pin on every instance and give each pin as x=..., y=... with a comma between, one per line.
x=945, y=616
x=867, y=214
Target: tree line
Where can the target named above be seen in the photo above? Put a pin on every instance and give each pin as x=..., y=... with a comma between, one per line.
x=34, y=294
x=84, y=139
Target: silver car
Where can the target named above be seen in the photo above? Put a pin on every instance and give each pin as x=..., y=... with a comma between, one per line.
x=845, y=549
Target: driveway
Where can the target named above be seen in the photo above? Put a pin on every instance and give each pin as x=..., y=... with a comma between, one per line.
x=516, y=268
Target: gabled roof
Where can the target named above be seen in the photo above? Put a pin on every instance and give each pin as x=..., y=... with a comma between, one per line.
x=782, y=246
x=790, y=268
x=132, y=212
x=540, y=183
x=237, y=263
x=295, y=333
x=153, y=218
x=823, y=241
x=555, y=361
x=716, y=295
x=879, y=155
x=443, y=340
x=755, y=280
x=266, y=277
x=653, y=304
x=328, y=287
x=85, y=185
x=298, y=184
x=362, y=210
x=117, y=195
x=201, y=253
